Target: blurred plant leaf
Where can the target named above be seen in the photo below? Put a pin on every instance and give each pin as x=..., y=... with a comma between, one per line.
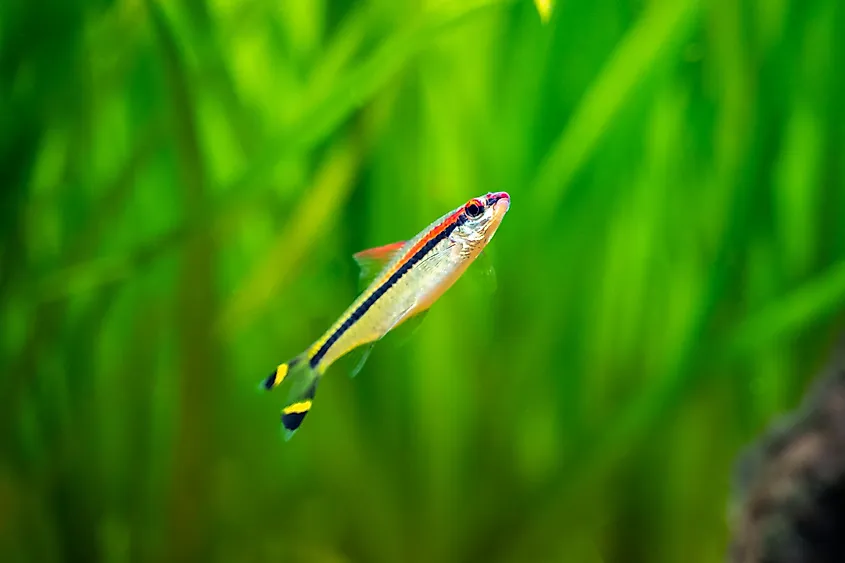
x=309, y=221
x=657, y=34
x=544, y=8
x=792, y=314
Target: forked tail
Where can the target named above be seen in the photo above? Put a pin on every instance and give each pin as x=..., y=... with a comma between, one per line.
x=303, y=380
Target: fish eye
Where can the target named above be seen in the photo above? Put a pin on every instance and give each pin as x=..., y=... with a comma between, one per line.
x=474, y=209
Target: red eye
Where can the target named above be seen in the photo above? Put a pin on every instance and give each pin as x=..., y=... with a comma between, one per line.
x=474, y=209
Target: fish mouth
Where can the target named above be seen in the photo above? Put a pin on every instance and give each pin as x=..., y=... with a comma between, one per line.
x=500, y=201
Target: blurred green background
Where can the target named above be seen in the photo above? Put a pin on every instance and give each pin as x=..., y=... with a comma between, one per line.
x=183, y=185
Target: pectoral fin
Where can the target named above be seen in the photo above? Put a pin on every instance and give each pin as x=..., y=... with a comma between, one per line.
x=483, y=274
x=403, y=332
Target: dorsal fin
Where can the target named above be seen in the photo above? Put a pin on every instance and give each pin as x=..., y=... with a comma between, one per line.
x=373, y=260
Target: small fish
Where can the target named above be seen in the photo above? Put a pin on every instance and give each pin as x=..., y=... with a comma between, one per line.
x=411, y=276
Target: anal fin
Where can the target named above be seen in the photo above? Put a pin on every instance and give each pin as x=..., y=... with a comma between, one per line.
x=359, y=356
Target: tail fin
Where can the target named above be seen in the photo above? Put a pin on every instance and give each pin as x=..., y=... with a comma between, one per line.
x=304, y=381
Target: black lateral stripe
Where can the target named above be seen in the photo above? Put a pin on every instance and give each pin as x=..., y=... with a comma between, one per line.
x=382, y=289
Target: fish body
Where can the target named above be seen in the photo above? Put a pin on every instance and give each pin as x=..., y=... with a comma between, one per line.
x=413, y=275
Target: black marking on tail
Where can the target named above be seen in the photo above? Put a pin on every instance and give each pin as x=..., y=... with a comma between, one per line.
x=268, y=383
x=292, y=421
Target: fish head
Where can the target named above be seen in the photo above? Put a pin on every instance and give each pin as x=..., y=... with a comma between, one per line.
x=481, y=217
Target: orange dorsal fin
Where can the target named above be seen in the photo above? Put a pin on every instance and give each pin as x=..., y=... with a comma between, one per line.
x=373, y=260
